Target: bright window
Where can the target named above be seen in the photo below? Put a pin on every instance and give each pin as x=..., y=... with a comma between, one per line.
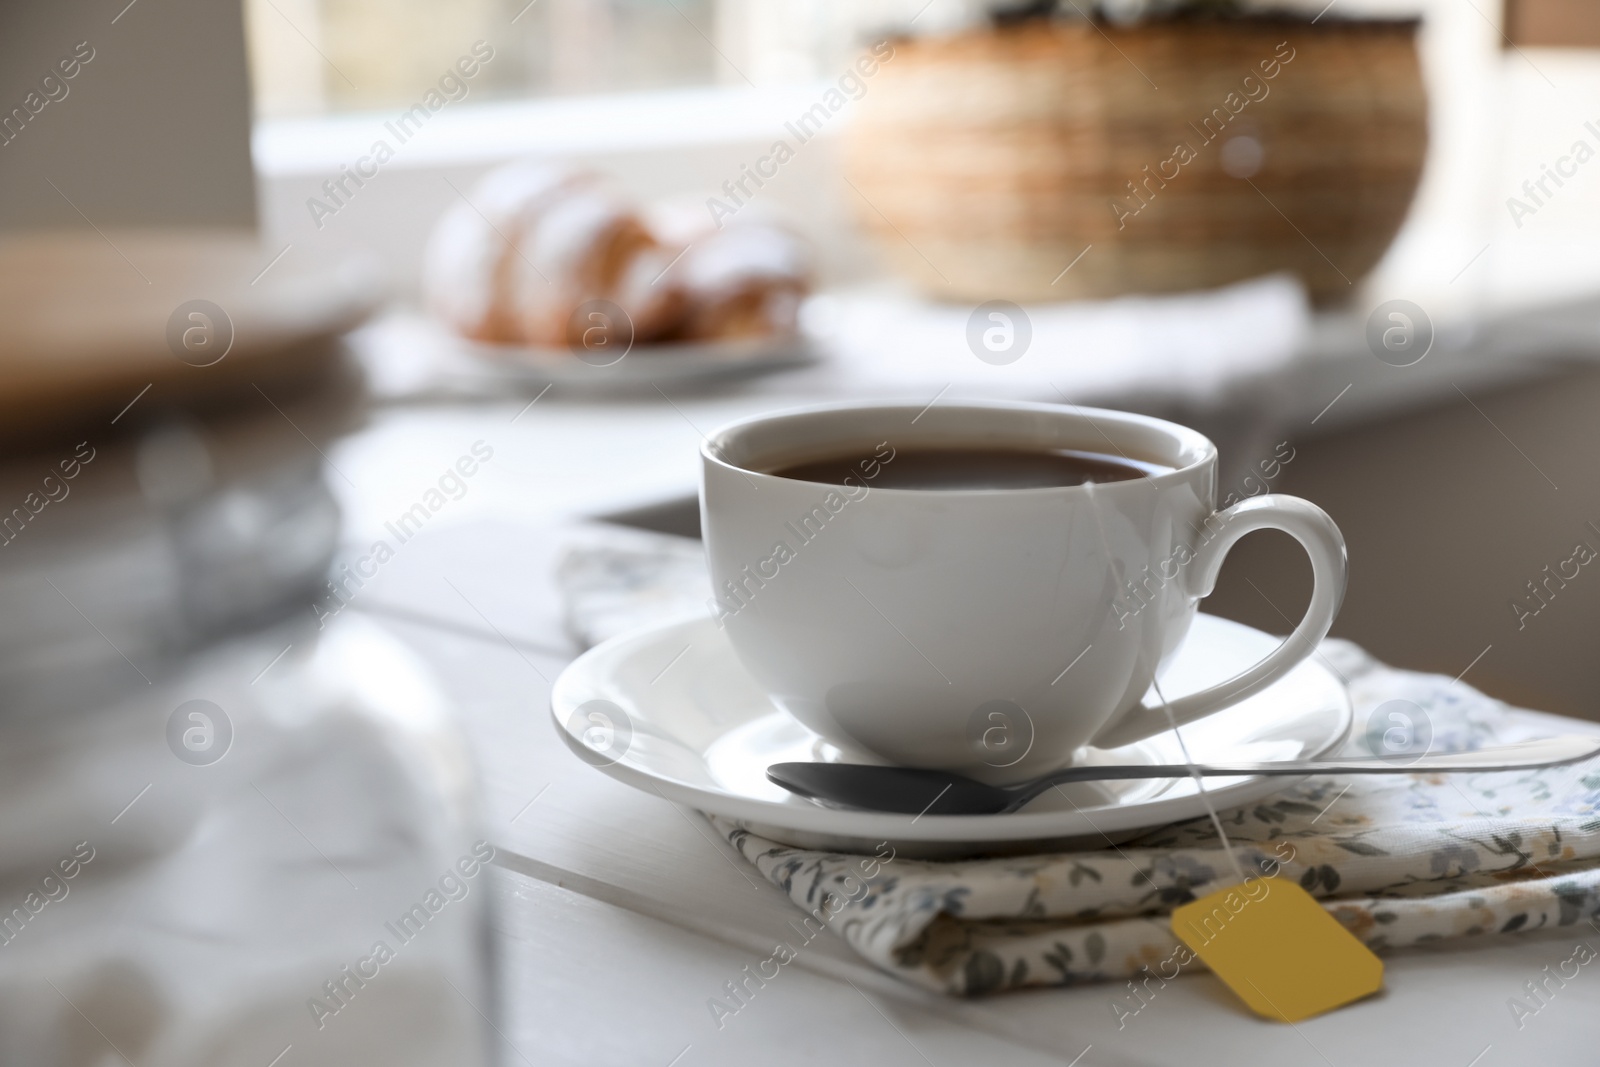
x=323, y=56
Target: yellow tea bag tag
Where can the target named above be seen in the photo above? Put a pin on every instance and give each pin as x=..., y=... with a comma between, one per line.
x=1276, y=947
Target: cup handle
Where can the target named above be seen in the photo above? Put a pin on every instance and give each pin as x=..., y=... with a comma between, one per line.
x=1317, y=534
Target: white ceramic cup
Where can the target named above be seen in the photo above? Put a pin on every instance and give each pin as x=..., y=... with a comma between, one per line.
x=992, y=632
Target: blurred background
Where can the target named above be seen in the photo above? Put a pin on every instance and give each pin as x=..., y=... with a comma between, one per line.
x=665, y=96
x=287, y=281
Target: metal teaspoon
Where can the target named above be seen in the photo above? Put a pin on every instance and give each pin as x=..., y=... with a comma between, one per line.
x=910, y=791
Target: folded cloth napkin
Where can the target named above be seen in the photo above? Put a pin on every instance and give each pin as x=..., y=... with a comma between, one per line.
x=1399, y=860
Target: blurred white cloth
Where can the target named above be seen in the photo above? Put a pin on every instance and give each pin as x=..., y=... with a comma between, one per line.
x=1190, y=347
x=218, y=900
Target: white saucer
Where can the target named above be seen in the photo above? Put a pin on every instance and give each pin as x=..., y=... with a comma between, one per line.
x=699, y=731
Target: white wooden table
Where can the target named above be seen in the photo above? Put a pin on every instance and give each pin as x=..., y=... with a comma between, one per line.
x=619, y=914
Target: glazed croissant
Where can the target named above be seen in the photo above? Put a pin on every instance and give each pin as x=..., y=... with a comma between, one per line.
x=515, y=260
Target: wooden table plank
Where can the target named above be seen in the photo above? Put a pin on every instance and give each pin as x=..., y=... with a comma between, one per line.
x=586, y=983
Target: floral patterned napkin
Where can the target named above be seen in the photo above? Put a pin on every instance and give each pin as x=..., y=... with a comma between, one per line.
x=1400, y=860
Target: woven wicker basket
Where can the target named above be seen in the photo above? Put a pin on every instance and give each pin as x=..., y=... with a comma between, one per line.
x=986, y=163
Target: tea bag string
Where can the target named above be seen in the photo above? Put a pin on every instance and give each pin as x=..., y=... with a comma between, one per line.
x=1166, y=707
x=1199, y=783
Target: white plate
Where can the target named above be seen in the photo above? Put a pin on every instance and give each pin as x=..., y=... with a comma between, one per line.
x=641, y=367
x=699, y=731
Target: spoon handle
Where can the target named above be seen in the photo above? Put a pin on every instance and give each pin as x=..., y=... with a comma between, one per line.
x=1521, y=755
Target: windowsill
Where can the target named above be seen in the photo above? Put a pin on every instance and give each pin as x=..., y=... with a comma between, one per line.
x=474, y=133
